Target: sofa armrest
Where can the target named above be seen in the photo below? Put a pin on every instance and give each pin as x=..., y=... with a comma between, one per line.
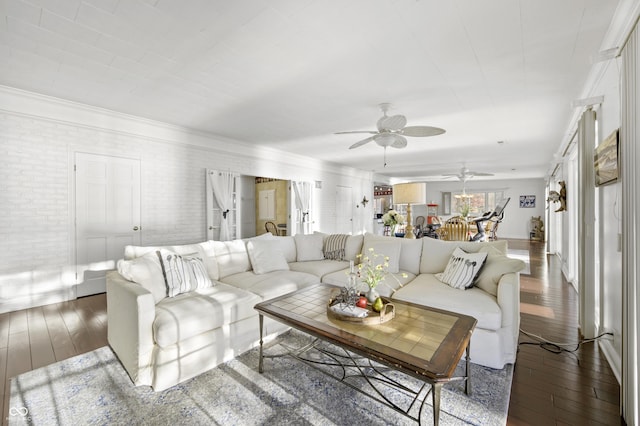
x=130, y=316
x=509, y=301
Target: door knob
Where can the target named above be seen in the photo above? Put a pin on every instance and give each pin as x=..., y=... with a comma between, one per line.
x=211, y=228
x=135, y=228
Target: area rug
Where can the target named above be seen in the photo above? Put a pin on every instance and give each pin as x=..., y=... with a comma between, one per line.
x=93, y=388
x=522, y=255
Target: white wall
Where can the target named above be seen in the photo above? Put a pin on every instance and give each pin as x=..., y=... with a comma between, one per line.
x=517, y=221
x=608, y=265
x=38, y=139
x=610, y=225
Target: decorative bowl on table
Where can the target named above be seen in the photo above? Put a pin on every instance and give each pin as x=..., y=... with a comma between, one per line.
x=343, y=312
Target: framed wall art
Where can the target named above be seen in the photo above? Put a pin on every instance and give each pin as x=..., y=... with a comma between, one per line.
x=605, y=160
x=527, y=201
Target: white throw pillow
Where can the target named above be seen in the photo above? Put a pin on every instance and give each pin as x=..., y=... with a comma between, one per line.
x=496, y=265
x=462, y=269
x=183, y=274
x=309, y=247
x=384, y=246
x=266, y=257
x=147, y=272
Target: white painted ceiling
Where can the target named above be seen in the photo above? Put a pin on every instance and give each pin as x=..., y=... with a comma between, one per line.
x=290, y=73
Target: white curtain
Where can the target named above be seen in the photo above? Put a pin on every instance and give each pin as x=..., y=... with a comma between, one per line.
x=629, y=160
x=222, y=184
x=303, y=205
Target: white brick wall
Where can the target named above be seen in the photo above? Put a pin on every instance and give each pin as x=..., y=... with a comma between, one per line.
x=36, y=192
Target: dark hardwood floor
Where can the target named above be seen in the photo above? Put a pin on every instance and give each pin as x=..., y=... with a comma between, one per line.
x=548, y=388
x=557, y=389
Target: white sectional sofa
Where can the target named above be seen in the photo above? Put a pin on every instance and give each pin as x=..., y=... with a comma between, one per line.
x=162, y=341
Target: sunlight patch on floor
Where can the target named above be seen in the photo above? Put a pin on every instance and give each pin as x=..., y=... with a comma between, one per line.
x=537, y=310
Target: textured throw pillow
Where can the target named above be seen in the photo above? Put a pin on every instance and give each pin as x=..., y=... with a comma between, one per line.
x=146, y=271
x=462, y=269
x=182, y=274
x=334, y=246
x=266, y=257
x=494, y=268
x=309, y=247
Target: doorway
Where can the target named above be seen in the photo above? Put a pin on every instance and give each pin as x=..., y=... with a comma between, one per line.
x=107, y=216
x=344, y=210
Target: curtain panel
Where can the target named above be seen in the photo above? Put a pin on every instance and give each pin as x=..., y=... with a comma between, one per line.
x=222, y=184
x=302, y=192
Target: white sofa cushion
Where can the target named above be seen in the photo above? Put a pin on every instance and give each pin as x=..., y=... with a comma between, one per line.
x=187, y=315
x=287, y=245
x=462, y=269
x=232, y=257
x=385, y=247
x=203, y=249
x=436, y=253
x=427, y=290
x=494, y=268
x=309, y=247
x=319, y=268
x=209, y=251
x=410, y=253
x=146, y=271
x=271, y=284
x=354, y=247
x=266, y=256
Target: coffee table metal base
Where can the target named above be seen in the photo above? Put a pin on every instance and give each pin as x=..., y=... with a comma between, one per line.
x=350, y=367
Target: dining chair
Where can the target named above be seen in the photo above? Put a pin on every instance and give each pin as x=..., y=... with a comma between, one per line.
x=271, y=227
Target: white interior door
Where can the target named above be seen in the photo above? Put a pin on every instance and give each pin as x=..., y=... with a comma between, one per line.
x=107, y=191
x=344, y=210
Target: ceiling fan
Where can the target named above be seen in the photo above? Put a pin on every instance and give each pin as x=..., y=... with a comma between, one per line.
x=465, y=174
x=392, y=131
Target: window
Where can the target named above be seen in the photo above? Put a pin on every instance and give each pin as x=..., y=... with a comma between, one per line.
x=475, y=203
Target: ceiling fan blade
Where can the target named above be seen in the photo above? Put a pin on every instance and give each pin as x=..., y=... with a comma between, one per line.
x=480, y=174
x=400, y=142
x=395, y=122
x=371, y=132
x=422, y=131
x=362, y=142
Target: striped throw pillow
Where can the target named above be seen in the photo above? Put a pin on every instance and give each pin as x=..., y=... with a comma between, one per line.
x=334, y=246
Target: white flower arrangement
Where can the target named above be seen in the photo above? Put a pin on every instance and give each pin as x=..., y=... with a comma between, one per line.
x=372, y=271
x=392, y=217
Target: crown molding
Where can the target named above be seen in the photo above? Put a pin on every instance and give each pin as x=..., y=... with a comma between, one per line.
x=35, y=105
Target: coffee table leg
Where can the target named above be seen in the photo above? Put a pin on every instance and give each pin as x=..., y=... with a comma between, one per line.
x=260, y=363
x=435, y=393
x=467, y=382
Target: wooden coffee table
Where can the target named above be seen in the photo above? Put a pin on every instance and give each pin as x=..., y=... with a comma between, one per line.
x=422, y=342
